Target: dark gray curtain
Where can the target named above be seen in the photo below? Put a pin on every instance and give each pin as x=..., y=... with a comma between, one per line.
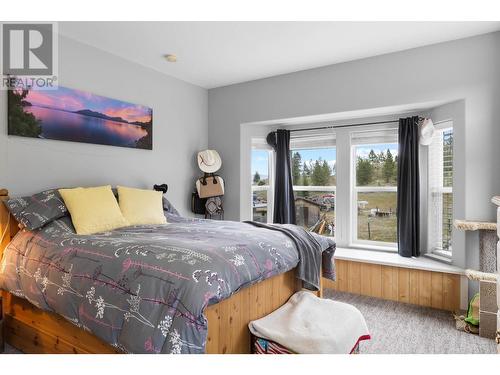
x=284, y=202
x=408, y=188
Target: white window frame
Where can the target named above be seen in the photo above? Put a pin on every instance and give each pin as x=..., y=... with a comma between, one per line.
x=315, y=144
x=355, y=241
x=259, y=144
x=442, y=126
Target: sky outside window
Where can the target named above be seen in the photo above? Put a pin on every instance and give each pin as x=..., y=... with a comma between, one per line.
x=260, y=158
x=260, y=163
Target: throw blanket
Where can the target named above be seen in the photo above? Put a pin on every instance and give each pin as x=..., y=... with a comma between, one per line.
x=311, y=325
x=310, y=252
x=144, y=289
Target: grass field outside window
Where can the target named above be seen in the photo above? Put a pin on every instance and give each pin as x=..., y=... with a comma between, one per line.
x=375, y=194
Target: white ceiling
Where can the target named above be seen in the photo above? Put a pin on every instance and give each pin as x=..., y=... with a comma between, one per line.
x=213, y=54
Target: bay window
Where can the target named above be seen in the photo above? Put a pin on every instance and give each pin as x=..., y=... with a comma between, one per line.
x=345, y=185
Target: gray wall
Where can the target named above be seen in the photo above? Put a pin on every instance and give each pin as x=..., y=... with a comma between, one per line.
x=179, y=131
x=467, y=69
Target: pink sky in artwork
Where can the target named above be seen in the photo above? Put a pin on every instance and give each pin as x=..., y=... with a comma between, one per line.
x=135, y=113
x=75, y=100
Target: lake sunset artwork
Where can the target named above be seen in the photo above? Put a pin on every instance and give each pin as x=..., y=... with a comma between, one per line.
x=77, y=116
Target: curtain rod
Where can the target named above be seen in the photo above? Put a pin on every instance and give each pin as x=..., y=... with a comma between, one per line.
x=347, y=125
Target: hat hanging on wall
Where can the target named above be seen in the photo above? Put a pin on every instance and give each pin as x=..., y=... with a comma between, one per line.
x=209, y=161
x=426, y=131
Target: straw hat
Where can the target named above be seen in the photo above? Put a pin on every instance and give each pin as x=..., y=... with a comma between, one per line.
x=209, y=161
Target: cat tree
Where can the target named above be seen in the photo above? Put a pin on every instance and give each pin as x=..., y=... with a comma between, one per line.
x=486, y=275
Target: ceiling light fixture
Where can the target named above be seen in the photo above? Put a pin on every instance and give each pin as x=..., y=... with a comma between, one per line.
x=171, y=58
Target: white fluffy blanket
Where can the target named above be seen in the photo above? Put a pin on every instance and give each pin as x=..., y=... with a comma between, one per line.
x=308, y=324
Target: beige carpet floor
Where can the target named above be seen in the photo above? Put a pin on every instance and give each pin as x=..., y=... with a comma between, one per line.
x=400, y=328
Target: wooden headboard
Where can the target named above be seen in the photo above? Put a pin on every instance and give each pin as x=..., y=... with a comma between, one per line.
x=8, y=224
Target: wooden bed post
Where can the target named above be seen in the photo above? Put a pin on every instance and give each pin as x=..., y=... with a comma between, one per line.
x=4, y=221
x=4, y=228
x=7, y=222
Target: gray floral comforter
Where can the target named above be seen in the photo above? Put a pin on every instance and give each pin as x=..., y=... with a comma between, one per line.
x=144, y=289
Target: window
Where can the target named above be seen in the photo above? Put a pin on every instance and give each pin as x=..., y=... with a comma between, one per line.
x=314, y=180
x=260, y=180
x=374, y=188
x=345, y=184
x=440, y=190
x=313, y=159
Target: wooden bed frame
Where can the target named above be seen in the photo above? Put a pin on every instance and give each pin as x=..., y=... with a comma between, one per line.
x=33, y=330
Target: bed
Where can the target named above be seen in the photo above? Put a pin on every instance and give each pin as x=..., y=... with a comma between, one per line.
x=190, y=286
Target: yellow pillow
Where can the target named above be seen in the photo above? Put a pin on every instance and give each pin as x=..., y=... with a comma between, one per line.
x=93, y=209
x=140, y=206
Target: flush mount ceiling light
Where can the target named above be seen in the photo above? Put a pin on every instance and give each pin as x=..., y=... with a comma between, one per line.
x=171, y=58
